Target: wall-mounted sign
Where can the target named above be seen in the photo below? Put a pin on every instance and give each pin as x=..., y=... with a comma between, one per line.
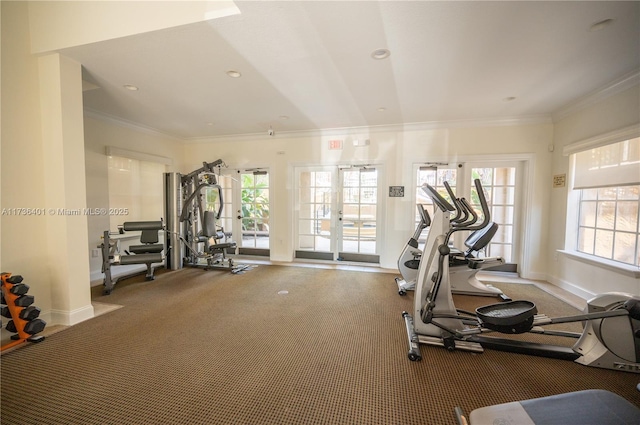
x=335, y=144
x=396, y=191
x=559, y=180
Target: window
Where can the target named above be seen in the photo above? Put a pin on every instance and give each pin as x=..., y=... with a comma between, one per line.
x=500, y=181
x=606, y=192
x=608, y=223
x=499, y=184
x=434, y=177
x=135, y=187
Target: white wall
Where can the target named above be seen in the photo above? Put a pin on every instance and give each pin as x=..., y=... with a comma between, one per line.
x=397, y=150
x=42, y=146
x=23, y=240
x=98, y=135
x=609, y=114
x=52, y=29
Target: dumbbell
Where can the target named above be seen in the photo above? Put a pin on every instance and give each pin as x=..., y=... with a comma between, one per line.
x=24, y=300
x=4, y=311
x=19, y=289
x=29, y=313
x=15, y=279
x=33, y=327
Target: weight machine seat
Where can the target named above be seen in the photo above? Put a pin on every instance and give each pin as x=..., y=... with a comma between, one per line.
x=141, y=258
x=221, y=246
x=148, y=237
x=596, y=407
x=146, y=249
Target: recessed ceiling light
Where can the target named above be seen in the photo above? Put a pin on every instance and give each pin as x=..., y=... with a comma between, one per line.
x=380, y=54
x=130, y=87
x=509, y=99
x=234, y=74
x=382, y=109
x=209, y=123
x=600, y=25
x=284, y=117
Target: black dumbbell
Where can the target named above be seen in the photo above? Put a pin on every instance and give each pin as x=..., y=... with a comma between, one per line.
x=35, y=326
x=19, y=289
x=15, y=279
x=4, y=311
x=30, y=313
x=25, y=300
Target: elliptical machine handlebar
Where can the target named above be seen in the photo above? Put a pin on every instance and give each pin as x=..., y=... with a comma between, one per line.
x=469, y=211
x=460, y=212
x=437, y=199
x=486, y=212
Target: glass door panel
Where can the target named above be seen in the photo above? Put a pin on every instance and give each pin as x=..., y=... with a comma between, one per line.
x=358, y=214
x=315, y=203
x=254, y=212
x=499, y=184
x=337, y=213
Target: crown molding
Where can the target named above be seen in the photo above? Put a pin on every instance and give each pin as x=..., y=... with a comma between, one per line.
x=366, y=130
x=327, y=132
x=120, y=122
x=630, y=132
x=621, y=84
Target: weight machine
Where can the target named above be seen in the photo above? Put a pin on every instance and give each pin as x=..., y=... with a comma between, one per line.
x=194, y=237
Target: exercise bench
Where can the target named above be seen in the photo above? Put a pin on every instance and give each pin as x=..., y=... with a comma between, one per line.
x=148, y=252
x=588, y=407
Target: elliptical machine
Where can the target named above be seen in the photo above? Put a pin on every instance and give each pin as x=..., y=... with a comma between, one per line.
x=610, y=338
x=409, y=260
x=464, y=266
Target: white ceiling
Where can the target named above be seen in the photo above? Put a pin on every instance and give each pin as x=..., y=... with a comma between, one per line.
x=311, y=62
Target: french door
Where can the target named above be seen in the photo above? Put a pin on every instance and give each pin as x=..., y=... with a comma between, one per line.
x=245, y=212
x=501, y=182
x=337, y=213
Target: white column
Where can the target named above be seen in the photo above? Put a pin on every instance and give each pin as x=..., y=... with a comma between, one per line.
x=65, y=189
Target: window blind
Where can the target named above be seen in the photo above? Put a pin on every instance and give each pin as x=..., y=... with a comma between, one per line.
x=615, y=164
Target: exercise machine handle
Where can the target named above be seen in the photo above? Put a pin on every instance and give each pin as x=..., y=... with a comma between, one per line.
x=459, y=211
x=486, y=213
x=437, y=199
x=469, y=211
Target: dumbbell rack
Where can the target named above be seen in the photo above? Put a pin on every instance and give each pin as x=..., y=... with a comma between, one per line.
x=17, y=306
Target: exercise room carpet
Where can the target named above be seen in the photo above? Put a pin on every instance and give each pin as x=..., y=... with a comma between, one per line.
x=275, y=345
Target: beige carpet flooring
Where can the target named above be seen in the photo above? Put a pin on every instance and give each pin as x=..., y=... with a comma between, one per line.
x=275, y=345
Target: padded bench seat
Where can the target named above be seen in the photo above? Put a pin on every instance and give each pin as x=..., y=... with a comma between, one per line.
x=597, y=407
x=146, y=248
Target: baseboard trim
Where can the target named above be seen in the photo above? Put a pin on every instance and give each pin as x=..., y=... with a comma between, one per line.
x=569, y=287
x=69, y=318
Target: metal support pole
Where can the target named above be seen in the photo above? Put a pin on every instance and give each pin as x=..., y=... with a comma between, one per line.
x=173, y=206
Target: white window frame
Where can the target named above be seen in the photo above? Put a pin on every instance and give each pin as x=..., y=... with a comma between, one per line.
x=573, y=201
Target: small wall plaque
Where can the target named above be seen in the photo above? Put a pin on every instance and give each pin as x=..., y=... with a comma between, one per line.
x=396, y=191
x=559, y=180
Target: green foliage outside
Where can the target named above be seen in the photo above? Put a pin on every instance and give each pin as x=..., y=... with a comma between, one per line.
x=255, y=202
